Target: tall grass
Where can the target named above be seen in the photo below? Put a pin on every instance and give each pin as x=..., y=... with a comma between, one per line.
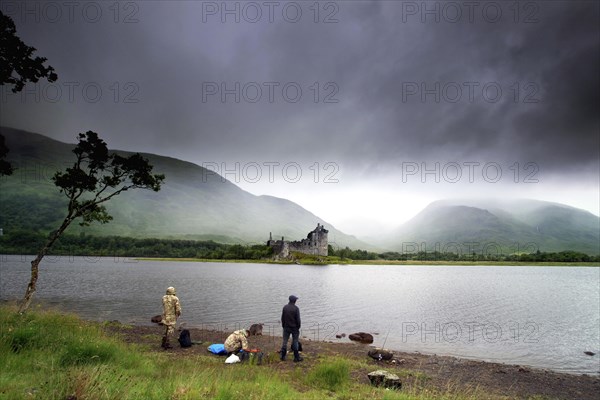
x=49, y=355
x=52, y=355
x=331, y=375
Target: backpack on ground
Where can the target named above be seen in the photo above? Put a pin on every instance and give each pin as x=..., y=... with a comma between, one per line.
x=184, y=338
x=299, y=347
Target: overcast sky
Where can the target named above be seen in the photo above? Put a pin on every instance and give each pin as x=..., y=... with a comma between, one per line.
x=362, y=112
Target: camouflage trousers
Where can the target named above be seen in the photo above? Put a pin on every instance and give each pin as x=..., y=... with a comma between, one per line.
x=169, y=330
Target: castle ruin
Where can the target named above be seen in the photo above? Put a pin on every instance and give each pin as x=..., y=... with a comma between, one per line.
x=314, y=244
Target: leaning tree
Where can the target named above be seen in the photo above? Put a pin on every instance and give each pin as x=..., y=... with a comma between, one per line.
x=95, y=177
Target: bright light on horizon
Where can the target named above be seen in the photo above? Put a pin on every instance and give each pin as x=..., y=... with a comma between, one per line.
x=365, y=210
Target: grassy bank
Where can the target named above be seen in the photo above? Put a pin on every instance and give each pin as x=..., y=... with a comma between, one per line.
x=49, y=355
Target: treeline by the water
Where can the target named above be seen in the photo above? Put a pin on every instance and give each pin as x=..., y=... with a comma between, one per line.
x=563, y=256
x=28, y=242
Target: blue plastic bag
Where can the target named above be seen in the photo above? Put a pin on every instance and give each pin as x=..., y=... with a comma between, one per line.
x=217, y=348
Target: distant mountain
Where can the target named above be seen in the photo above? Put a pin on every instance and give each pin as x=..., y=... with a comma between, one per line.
x=193, y=203
x=488, y=225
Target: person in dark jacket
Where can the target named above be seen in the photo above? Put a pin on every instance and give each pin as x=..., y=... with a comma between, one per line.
x=290, y=321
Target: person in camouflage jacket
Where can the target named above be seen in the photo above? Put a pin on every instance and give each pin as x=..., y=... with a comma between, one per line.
x=237, y=341
x=171, y=311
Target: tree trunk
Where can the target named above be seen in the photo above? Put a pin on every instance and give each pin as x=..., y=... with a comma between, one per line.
x=35, y=265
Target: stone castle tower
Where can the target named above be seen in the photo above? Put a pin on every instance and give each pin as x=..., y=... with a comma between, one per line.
x=315, y=244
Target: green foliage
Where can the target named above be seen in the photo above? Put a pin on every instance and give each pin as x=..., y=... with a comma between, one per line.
x=332, y=375
x=353, y=254
x=27, y=242
x=97, y=176
x=563, y=256
x=24, y=242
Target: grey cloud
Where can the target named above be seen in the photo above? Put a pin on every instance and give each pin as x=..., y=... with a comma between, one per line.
x=370, y=54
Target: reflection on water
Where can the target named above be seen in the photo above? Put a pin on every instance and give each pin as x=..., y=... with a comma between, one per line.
x=539, y=316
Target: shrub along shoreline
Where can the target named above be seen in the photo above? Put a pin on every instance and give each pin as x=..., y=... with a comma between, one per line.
x=26, y=242
x=52, y=355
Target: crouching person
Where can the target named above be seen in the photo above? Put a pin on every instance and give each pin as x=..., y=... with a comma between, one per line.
x=171, y=311
x=237, y=341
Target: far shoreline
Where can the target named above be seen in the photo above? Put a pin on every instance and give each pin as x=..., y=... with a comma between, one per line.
x=317, y=262
x=378, y=262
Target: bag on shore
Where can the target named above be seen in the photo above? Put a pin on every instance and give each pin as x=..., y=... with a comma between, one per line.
x=184, y=338
x=299, y=346
x=232, y=359
x=217, y=348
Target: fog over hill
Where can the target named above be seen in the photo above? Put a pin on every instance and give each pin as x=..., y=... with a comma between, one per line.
x=197, y=203
x=193, y=203
x=491, y=225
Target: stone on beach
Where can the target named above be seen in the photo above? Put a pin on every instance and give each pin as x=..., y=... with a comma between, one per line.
x=385, y=379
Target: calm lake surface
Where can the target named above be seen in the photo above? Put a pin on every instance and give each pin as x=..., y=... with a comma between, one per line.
x=544, y=317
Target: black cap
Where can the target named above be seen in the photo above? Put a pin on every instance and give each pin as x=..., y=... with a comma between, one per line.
x=293, y=298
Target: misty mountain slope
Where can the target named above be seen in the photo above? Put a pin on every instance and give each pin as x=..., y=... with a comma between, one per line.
x=193, y=202
x=548, y=218
x=513, y=225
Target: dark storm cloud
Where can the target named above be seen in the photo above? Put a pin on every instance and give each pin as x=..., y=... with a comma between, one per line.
x=554, y=62
x=373, y=60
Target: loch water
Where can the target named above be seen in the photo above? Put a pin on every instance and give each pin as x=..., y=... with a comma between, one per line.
x=544, y=317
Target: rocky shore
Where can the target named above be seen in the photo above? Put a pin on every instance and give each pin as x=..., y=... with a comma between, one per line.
x=417, y=371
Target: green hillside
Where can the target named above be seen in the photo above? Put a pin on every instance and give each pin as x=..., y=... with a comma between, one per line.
x=192, y=204
x=197, y=204
x=510, y=225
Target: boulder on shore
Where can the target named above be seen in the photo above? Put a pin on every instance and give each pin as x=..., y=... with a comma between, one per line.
x=385, y=379
x=157, y=319
x=361, y=337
